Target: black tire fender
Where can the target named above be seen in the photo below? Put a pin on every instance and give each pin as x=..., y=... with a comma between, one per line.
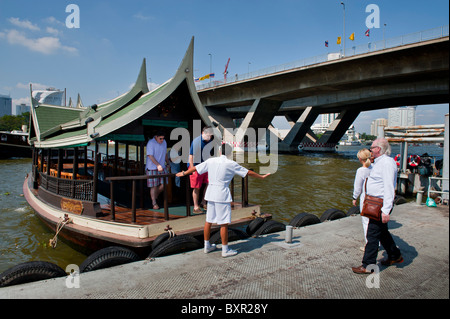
x=108, y=257
x=174, y=245
x=332, y=214
x=398, y=200
x=254, y=225
x=271, y=226
x=233, y=234
x=30, y=272
x=354, y=210
x=160, y=239
x=304, y=219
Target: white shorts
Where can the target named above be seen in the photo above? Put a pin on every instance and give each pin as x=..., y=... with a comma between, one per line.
x=218, y=213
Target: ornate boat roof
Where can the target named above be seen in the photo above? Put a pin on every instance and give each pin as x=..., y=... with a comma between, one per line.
x=58, y=126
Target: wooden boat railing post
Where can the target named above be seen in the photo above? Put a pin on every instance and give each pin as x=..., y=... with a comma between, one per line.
x=95, y=179
x=245, y=191
x=188, y=198
x=133, y=202
x=166, y=204
x=111, y=196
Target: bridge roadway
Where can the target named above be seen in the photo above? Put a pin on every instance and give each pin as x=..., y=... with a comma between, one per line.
x=413, y=74
x=317, y=265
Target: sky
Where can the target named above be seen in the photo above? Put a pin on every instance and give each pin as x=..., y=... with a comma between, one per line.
x=99, y=58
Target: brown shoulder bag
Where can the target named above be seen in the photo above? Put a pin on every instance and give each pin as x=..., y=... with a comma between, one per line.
x=371, y=206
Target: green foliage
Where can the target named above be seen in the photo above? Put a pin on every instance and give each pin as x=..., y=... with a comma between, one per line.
x=367, y=137
x=14, y=122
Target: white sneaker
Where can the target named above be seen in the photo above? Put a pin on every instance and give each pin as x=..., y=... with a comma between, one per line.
x=209, y=249
x=229, y=253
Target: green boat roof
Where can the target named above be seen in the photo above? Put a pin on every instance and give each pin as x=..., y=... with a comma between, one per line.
x=58, y=126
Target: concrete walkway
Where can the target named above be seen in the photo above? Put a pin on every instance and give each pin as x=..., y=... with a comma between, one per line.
x=316, y=265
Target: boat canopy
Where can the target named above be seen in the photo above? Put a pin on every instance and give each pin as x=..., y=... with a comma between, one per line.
x=171, y=104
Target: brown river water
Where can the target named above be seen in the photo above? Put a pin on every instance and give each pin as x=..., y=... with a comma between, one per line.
x=310, y=182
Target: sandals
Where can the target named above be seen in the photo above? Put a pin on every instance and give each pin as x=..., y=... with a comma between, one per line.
x=155, y=206
x=198, y=211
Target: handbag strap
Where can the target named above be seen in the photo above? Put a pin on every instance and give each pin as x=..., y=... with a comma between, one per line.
x=365, y=186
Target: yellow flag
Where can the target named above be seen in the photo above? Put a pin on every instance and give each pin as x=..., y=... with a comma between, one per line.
x=339, y=40
x=352, y=36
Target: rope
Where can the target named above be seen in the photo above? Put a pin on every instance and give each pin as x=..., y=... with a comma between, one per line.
x=62, y=222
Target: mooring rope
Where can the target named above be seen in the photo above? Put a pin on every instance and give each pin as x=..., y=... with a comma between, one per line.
x=62, y=222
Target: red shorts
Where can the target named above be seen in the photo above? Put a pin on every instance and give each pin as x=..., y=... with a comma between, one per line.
x=197, y=180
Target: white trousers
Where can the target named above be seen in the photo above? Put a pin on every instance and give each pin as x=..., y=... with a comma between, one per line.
x=218, y=213
x=365, y=223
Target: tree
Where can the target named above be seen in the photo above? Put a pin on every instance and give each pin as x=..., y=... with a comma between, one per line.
x=14, y=122
x=367, y=137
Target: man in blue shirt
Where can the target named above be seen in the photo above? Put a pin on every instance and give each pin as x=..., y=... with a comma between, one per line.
x=197, y=155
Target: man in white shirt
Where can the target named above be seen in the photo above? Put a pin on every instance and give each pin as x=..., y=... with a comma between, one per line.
x=381, y=183
x=221, y=171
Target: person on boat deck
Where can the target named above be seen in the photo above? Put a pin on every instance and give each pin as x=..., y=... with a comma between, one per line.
x=196, y=157
x=221, y=171
x=155, y=165
x=364, y=157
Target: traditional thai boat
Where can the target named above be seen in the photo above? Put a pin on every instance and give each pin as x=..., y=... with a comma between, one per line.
x=93, y=200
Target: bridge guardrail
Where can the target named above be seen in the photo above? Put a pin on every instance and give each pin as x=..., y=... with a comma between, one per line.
x=416, y=37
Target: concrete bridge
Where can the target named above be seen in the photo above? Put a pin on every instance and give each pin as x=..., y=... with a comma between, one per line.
x=412, y=74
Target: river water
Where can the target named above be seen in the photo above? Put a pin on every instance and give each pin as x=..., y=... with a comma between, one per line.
x=310, y=182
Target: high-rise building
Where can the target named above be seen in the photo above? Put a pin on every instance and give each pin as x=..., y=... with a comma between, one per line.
x=376, y=124
x=5, y=105
x=327, y=119
x=22, y=108
x=402, y=116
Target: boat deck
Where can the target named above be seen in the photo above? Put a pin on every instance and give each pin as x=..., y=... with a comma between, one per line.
x=149, y=216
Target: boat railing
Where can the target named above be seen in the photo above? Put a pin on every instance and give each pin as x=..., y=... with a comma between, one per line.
x=81, y=189
x=134, y=191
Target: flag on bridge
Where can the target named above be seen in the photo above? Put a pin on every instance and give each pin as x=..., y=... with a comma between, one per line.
x=368, y=33
x=352, y=36
x=339, y=40
x=326, y=44
x=207, y=76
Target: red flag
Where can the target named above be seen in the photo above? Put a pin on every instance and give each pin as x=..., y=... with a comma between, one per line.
x=368, y=32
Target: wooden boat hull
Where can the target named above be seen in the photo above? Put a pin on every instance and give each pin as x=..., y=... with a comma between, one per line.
x=88, y=234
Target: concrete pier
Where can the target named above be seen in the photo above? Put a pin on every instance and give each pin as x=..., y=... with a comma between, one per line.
x=316, y=265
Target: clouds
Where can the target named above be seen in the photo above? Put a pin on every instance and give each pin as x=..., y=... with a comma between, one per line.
x=24, y=24
x=48, y=43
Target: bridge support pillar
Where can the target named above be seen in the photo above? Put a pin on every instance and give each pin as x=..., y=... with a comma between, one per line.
x=300, y=130
x=339, y=126
x=260, y=115
x=224, y=120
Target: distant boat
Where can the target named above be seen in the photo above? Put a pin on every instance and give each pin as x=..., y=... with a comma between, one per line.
x=350, y=143
x=14, y=144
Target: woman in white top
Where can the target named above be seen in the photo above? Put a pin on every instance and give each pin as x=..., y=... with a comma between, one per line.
x=364, y=157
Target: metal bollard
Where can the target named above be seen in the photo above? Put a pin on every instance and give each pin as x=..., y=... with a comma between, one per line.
x=288, y=237
x=419, y=197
